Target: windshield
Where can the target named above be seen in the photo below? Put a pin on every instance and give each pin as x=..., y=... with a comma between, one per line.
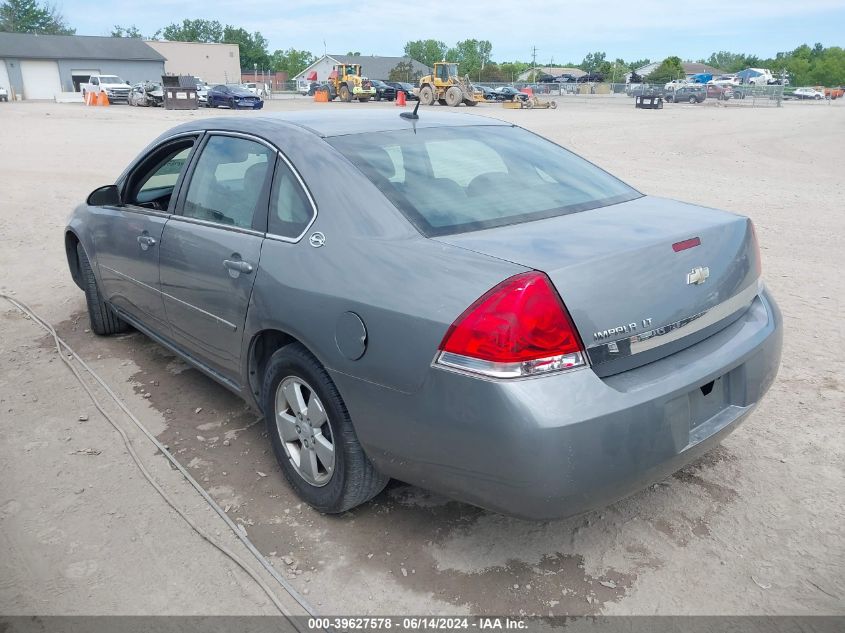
x=457, y=179
x=111, y=79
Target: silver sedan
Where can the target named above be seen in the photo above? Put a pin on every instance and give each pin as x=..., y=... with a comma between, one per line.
x=448, y=300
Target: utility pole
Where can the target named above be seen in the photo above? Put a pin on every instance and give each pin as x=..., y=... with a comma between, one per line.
x=534, y=61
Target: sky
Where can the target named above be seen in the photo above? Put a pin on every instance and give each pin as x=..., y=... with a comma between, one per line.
x=561, y=31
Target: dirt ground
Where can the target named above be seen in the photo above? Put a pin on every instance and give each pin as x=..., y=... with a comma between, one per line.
x=756, y=527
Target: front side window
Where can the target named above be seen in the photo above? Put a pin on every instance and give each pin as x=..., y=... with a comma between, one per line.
x=228, y=181
x=454, y=179
x=150, y=185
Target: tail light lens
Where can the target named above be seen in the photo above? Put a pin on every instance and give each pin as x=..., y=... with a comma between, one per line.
x=519, y=328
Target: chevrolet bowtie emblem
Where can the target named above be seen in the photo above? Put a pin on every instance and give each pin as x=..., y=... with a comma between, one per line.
x=698, y=275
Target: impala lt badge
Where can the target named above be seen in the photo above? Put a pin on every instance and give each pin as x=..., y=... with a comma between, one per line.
x=698, y=275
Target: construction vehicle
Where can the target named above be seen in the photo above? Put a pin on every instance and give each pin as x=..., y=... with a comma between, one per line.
x=446, y=87
x=346, y=82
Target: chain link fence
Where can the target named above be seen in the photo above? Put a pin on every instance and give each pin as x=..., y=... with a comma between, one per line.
x=745, y=95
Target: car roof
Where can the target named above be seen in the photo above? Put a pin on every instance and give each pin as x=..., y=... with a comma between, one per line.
x=337, y=122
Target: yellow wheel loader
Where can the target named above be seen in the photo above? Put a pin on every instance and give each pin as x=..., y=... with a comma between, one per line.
x=346, y=82
x=446, y=87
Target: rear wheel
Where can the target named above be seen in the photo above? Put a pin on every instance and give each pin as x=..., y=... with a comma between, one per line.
x=102, y=317
x=471, y=102
x=692, y=99
x=312, y=434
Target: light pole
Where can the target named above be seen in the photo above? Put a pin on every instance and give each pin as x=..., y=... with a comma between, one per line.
x=255, y=75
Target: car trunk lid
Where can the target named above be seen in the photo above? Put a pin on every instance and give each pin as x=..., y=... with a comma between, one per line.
x=641, y=279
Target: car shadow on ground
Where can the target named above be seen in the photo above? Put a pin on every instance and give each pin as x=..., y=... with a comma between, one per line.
x=421, y=542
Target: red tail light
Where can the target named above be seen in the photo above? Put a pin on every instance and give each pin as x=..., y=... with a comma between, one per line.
x=519, y=328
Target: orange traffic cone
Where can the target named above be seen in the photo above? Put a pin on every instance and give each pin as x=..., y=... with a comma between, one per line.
x=103, y=99
x=400, y=98
x=90, y=99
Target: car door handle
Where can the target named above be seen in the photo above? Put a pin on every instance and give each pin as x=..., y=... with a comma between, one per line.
x=238, y=265
x=146, y=241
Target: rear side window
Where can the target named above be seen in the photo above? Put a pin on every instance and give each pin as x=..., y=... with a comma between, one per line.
x=455, y=179
x=290, y=208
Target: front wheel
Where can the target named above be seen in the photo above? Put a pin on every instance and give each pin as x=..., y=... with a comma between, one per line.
x=312, y=434
x=692, y=99
x=426, y=95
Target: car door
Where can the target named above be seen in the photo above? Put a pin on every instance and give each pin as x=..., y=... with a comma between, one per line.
x=127, y=237
x=211, y=247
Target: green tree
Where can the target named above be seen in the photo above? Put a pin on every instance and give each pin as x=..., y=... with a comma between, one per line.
x=426, y=52
x=291, y=61
x=355, y=54
x=404, y=71
x=668, y=70
x=28, y=16
x=593, y=62
x=509, y=71
x=194, y=31
x=471, y=56
x=126, y=31
x=252, y=47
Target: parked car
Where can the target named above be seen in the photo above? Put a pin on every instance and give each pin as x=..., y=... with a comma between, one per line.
x=690, y=94
x=202, y=94
x=718, y=91
x=233, y=97
x=516, y=329
x=675, y=84
x=4, y=94
x=509, y=93
x=724, y=80
x=116, y=89
x=383, y=90
x=489, y=93
x=146, y=93
x=408, y=89
x=258, y=89
x=808, y=93
x=590, y=77
x=566, y=78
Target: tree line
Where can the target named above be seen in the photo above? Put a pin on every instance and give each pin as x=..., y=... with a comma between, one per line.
x=806, y=65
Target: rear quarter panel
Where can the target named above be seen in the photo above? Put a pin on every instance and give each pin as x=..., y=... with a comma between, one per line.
x=406, y=289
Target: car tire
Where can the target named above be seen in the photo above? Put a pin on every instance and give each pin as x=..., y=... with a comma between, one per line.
x=692, y=99
x=351, y=479
x=103, y=319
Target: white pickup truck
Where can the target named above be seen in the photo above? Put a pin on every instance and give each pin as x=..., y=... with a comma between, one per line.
x=115, y=88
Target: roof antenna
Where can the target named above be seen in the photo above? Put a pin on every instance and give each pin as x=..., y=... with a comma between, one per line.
x=411, y=115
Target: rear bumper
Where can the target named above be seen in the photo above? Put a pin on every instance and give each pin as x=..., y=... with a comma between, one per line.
x=559, y=445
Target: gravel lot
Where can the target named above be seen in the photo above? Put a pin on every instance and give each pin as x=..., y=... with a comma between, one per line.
x=756, y=527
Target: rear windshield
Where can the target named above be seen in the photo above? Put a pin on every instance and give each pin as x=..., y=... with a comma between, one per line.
x=457, y=179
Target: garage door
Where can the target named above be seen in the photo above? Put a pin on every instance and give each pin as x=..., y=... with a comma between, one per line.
x=40, y=79
x=4, y=77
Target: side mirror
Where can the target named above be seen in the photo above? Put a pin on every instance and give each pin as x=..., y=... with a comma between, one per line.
x=107, y=196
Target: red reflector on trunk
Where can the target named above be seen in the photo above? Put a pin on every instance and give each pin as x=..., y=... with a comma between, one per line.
x=682, y=246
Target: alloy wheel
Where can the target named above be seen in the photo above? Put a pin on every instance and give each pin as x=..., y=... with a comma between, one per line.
x=303, y=426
